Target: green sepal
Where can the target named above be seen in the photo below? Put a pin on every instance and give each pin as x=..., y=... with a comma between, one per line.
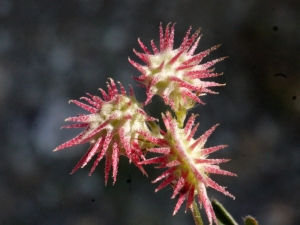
x=249, y=220
x=223, y=216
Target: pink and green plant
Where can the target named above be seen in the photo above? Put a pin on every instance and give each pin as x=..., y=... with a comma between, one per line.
x=118, y=125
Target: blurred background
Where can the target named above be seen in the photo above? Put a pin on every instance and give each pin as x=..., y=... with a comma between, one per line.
x=52, y=51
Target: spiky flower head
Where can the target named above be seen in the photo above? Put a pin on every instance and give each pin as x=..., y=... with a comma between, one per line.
x=111, y=128
x=188, y=167
x=175, y=74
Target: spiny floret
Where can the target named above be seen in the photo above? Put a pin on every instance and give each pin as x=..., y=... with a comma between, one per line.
x=111, y=128
x=175, y=74
x=188, y=167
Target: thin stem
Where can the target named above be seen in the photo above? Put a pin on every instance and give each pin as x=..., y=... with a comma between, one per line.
x=196, y=213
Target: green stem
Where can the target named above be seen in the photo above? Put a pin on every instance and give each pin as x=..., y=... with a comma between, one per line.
x=196, y=213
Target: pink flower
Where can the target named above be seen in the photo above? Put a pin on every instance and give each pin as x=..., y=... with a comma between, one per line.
x=175, y=74
x=117, y=124
x=188, y=167
x=111, y=128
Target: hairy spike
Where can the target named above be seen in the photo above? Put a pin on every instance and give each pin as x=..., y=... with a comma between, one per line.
x=216, y=170
x=91, y=102
x=84, y=106
x=83, y=160
x=142, y=56
x=123, y=91
x=108, y=162
x=167, y=181
x=178, y=186
x=81, y=125
x=167, y=37
x=154, y=48
x=145, y=49
x=136, y=65
x=179, y=203
x=171, y=41
x=115, y=160
x=185, y=39
x=161, y=38
x=194, y=46
x=207, y=151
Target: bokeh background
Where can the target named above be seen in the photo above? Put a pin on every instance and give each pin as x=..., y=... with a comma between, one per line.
x=55, y=50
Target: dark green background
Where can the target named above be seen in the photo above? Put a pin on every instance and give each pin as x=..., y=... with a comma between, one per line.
x=55, y=50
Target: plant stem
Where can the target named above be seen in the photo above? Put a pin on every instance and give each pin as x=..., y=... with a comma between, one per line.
x=196, y=213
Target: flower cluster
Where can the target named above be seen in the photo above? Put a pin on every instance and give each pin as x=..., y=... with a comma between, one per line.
x=118, y=125
x=187, y=165
x=112, y=129
x=175, y=74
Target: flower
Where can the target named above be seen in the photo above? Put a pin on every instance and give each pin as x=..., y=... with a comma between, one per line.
x=175, y=74
x=188, y=166
x=111, y=128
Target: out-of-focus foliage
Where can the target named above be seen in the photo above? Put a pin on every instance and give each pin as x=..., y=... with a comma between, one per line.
x=53, y=51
